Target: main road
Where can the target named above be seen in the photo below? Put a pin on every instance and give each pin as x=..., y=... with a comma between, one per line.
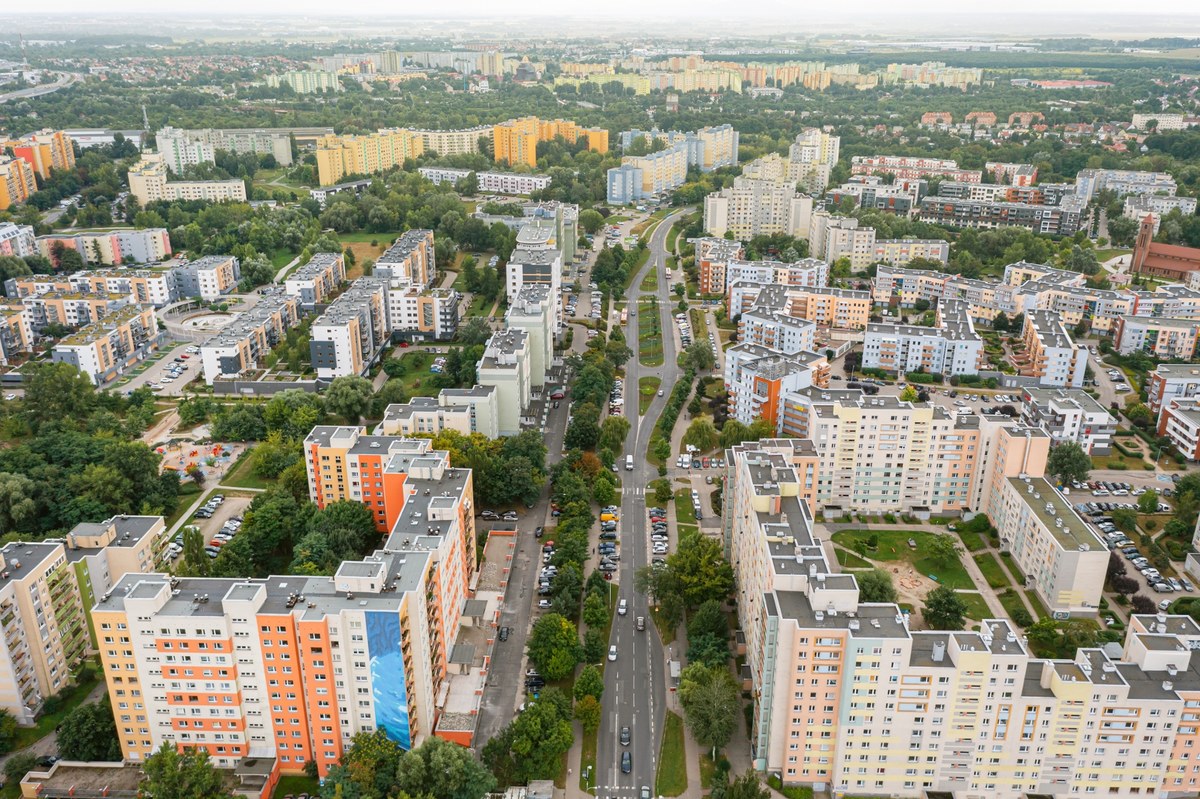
x=635, y=683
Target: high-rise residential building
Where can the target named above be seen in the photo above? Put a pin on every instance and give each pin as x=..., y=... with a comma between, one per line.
x=712, y=257
x=17, y=240
x=372, y=153
x=410, y=259
x=707, y=148
x=758, y=377
x=312, y=283
x=809, y=163
x=642, y=176
x=148, y=182
x=832, y=238
x=463, y=141
x=1171, y=381
x=534, y=309
x=492, y=182
x=1069, y=414
x=16, y=181
x=515, y=141
x=180, y=150
x=104, y=349
x=1156, y=206
x=110, y=247
x=1166, y=339
x=506, y=366
x=209, y=277
x=465, y=410
x=350, y=335
x=951, y=348
x=43, y=151
x=757, y=207
x=1050, y=355
x=306, y=81
x=246, y=341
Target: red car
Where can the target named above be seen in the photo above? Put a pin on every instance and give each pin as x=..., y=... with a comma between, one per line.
x=185, y=356
x=656, y=519
x=704, y=461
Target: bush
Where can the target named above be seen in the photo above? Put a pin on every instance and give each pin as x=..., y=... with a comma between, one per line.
x=1022, y=618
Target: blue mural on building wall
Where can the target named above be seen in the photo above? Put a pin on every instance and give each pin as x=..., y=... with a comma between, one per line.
x=387, y=677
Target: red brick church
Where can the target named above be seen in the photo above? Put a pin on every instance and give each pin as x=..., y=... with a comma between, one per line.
x=1162, y=260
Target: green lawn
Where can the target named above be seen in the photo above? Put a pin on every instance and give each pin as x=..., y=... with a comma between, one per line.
x=1039, y=609
x=647, y=390
x=296, y=784
x=1011, y=600
x=281, y=258
x=650, y=341
x=893, y=546
x=672, y=237
x=71, y=698
x=672, y=779
x=992, y=571
x=242, y=475
x=707, y=768
x=849, y=560
x=479, y=306
x=187, y=495
x=971, y=540
x=416, y=375
x=649, y=282
x=587, y=759
x=977, y=609
x=684, y=513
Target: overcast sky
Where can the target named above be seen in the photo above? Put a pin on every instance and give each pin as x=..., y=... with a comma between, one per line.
x=792, y=11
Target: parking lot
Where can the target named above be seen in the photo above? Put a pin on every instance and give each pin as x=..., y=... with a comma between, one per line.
x=163, y=367
x=228, y=511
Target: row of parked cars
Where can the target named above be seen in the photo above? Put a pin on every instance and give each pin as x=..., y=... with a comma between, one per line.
x=609, y=539
x=659, y=540
x=685, y=329
x=492, y=516
x=210, y=507
x=616, y=398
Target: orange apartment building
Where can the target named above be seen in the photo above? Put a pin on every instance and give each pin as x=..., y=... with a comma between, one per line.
x=16, y=181
x=43, y=151
x=515, y=141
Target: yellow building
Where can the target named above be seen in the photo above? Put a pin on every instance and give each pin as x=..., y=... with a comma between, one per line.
x=628, y=80
x=44, y=150
x=16, y=181
x=516, y=140
x=338, y=156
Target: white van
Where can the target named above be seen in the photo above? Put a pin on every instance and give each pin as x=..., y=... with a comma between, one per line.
x=629, y=463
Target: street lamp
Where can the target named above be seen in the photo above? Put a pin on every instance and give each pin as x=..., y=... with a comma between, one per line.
x=587, y=779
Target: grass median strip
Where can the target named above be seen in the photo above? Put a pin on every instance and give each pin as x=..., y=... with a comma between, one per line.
x=672, y=779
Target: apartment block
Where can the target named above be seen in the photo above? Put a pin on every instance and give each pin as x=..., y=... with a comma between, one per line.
x=1166, y=339
x=900, y=251
x=1163, y=121
x=180, y=151
x=1179, y=421
x=506, y=366
x=142, y=286
x=535, y=310
x=829, y=307
x=465, y=410
x=1012, y=174
x=766, y=327
x=464, y=141
x=493, y=182
x=306, y=81
x=314, y=282
x=275, y=142
x=68, y=309
x=1171, y=381
x=533, y=266
x=16, y=181
x=350, y=335
x=1069, y=414
x=515, y=141
x=808, y=165
x=16, y=339
x=758, y=377
x=1156, y=206
x=1090, y=182
x=429, y=315
x=410, y=259
x=643, y=176
x=951, y=348
x=43, y=151
x=369, y=154
x=148, y=182
x=903, y=167
x=1050, y=355
x=1059, y=554
x=110, y=247
x=832, y=238
x=244, y=343
x=870, y=192
x=712, y=255
x=103, y=350
x=707, y=148
x=101, y=553
x=17, y=240
x=757, y=207
x=208, y=278
x=1065, y=219
x=42, y=626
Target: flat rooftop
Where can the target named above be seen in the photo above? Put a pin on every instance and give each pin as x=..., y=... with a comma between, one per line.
x=1074, y=534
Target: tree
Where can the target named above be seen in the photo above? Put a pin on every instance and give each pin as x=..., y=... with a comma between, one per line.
x=439, y=769
x=699, y=356
x=747, y=786
x=1139, y=413
x=474, y=330
x=711, y=702
x=944, y=549
x=8, y=730
x=1148, y=502
x=708, y=649
x=531, y=747
x=699, y=570
x=702, y=434
x=589, y=683
x=909, y=394
x=18, y=503
x=17, y=766
x=876, y=586
x=708, y=620
x=57, y=391
x=340, y=531
x=595, y=611
x=554, y=646
x=195, y=559
x=587, y=710
x=12, y=266
x=171, y=774
x=1068, y=462
x=590, y=220
x=349, y=396
x=1000, y=322
x=1142, y=604
x=944, y=609
x=89, y=733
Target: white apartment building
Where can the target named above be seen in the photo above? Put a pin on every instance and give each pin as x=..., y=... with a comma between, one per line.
x=753, y=207
x=534, y=311
x=245, y=342
x=809, y=163
x=416, y=315
x=1138, y=206
x=148, y=183
x=833, y=237
x=1069, y=415
x=1160, y=337
x=506, y=366
x=766, y=327
x=951, y=348
x=179, y=150
x=1171, y=381
x=409, y=261
x=466, y=410
x=208, y=278
x=1089, y=182
x=350, y=335
x=493, y=182
x=17, y=240
x=533, y=266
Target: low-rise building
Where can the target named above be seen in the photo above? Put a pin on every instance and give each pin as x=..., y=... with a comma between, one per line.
x=465, y=410
x=506, y=366
x=244, y=343
x=208, y=278
x=1179, y=421
x=1090, y=182
x=1169, y=261
x=314, y=282
x=493, y=182
x=1173, y=339
x=898, y=252
x=951, y=348
x=109, y=247
x=68, y=309
x=351, y=334
x=1069, y=414
x=1171, y=381
x=869, y=191
x=17, y=240
x=103, y=350
x=323, y=193
x=1050, y=355
x=832, y=238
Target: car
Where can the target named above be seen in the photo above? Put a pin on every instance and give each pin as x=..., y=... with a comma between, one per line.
x=608, y=536
x=535, y=682
x=612, y=652
x=626, y=737
x=510, y=516
x=626, y=757
x=504, y=633
x=660, y=392
x=544, y=604
x=645, y=792
x=490, y=515
x=1166, y=603
x=622, y=607
x=10, y=397
x=658, y=519
x=1178, y=586
x=608, y=567
x=538, y=531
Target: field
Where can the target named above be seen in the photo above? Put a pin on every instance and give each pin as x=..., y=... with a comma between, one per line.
x=977, y=609
x=243, y=476
x=416, y=375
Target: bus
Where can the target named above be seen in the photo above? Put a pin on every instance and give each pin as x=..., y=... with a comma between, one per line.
x=624, y=315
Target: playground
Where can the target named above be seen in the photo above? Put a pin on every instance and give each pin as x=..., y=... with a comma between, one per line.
x=213, y=460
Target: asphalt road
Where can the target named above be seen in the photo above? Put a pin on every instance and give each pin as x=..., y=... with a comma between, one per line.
x=635, y=684
x=64, y=79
